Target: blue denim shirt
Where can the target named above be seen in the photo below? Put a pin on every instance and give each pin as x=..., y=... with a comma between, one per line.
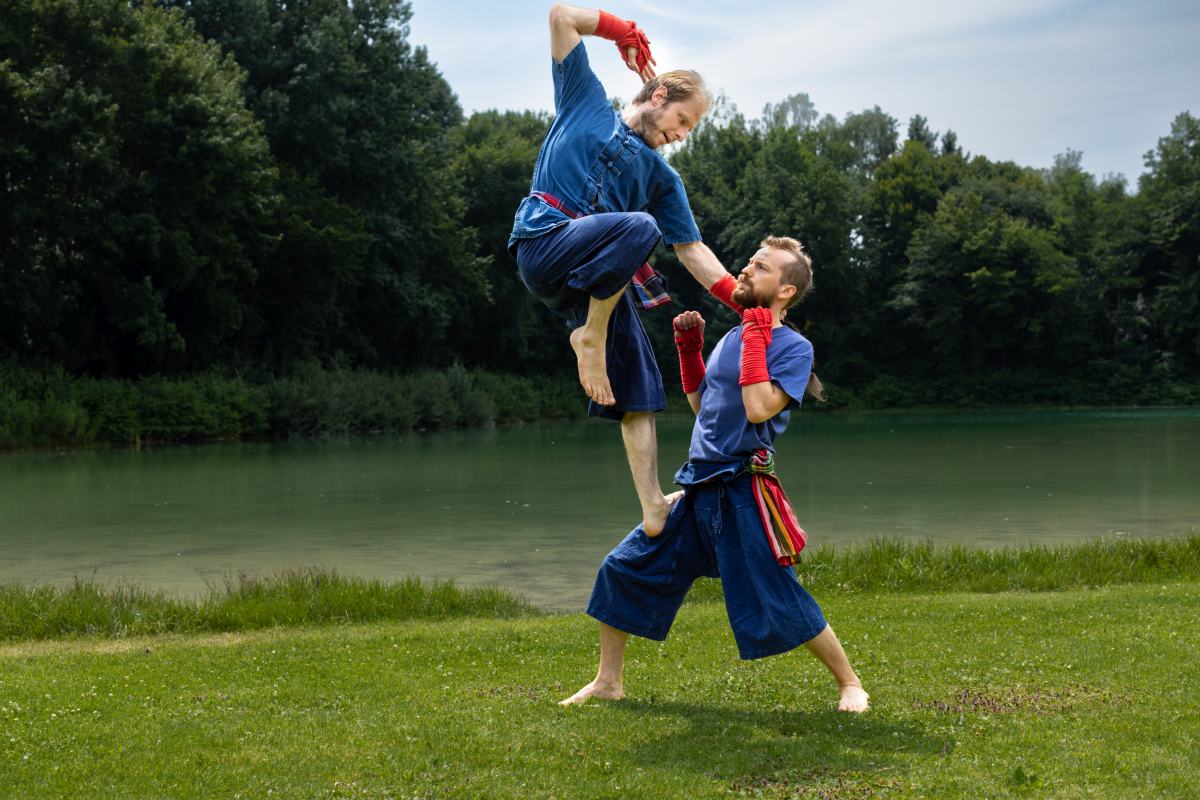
x=723, y=439
x=594, y=162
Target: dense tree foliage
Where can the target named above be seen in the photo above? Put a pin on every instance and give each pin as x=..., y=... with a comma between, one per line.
x=192, y=185
x=136, y=186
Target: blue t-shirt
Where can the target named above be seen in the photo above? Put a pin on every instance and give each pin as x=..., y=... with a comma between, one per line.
x=723, y=439
x=593, y=162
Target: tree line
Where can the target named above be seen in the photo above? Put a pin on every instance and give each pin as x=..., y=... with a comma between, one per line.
x=256, y=188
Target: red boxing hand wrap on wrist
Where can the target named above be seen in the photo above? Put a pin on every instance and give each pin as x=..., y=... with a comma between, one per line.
x=611, y=27
x=723, y=291
x=756, y=338
x=689, y=343
x=626, y=34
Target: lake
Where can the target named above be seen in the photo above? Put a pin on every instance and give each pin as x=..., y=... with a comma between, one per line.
x=536, y=508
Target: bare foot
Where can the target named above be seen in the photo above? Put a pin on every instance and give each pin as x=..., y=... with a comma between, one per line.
x=854, y=699
x=593, y=372
x=603, y=691
x=655, y=519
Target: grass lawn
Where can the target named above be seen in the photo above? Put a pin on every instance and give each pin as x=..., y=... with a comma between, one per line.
x=1079, y=693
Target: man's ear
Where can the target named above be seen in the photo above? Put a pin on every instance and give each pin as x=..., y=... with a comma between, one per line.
x=787, y=291
x=658, y=96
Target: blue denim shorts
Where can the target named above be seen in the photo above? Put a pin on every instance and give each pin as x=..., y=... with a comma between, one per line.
x=596, y=256
x=715, y=531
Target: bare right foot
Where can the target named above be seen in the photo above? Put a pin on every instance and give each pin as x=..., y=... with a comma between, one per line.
x=654, y=520
x=593, y=371
x=603, y=691
x=853, y=699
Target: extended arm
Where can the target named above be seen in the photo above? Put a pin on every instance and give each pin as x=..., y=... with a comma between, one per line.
x=708, y=271
x=568, y=25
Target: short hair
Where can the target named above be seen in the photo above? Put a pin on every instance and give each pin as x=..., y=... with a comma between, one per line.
x=798, y=271
x=682, y=84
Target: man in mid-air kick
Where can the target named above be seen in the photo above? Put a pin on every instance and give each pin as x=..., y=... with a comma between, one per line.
x=600, y=200
x=733, y=521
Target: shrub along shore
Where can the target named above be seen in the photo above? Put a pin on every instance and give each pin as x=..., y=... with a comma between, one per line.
x=40, y=408
x=51, y=408
x=317, y=597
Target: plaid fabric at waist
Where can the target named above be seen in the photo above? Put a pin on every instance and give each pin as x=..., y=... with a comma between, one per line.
x=649, y=288
x=783, y=530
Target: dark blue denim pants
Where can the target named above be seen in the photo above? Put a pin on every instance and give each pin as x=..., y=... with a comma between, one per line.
x=715, y=531
x=596, y=256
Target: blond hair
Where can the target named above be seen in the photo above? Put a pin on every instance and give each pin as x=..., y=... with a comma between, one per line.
x=682, y=84
x=797, y=272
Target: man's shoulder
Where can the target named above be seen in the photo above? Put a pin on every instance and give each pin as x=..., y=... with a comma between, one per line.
x=792, y=339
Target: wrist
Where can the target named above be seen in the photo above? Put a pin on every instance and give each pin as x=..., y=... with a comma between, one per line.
x=611, y=27
x=723, y=291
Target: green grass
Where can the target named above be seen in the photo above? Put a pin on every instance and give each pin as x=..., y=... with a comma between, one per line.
x=299, y=597
x=321, y=596
x=1074, y=694
x=905, y=566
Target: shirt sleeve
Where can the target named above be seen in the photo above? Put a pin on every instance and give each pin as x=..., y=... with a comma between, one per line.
x=790, y=366
x=574, y=82
x=673, y=213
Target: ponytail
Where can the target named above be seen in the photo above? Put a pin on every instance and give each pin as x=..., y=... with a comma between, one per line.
x=815, y=389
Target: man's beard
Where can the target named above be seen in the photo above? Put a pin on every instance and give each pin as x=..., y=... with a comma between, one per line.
x=743, y=295
x=647, y=127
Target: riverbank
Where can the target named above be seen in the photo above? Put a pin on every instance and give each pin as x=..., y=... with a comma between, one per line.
x=50, y=408
x=1079, y=693
x=318, y=597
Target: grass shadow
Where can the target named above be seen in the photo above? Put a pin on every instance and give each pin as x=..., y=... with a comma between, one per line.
x=773, y=752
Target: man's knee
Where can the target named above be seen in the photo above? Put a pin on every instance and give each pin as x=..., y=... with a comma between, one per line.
x=644, y=225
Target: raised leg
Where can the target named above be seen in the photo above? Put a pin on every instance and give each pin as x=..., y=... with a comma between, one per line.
x=607, y=684
x=589, y=341
x=641, y=448
x=828, y=650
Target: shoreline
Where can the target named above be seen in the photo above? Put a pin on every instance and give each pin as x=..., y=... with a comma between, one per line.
x=323, y=596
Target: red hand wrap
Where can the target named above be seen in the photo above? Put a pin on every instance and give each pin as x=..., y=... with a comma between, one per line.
x=723, y=291
x=626, y=34
x=756, y=338
x=690, y=343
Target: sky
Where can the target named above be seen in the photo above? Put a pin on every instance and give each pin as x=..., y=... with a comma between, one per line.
x=1020, y=80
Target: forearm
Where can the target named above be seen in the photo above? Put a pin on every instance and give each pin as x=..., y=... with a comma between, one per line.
x=694, y=401
x=567, y=25
x=701, y=262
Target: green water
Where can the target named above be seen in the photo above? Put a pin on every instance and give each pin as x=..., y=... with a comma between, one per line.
x=536, y=508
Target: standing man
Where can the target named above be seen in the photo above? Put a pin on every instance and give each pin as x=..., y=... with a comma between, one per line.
x=733, y=521
x=600, y=199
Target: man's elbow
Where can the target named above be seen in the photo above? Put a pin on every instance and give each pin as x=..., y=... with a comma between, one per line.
x=756, y=413
x=560, y=16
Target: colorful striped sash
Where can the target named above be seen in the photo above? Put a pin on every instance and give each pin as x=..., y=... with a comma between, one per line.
x=784, y=533
x=649, y=287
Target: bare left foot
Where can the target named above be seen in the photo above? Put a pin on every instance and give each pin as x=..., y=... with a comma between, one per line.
x=854, y=699
x=604, y=691
x=655, y=519
x=593, y=374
